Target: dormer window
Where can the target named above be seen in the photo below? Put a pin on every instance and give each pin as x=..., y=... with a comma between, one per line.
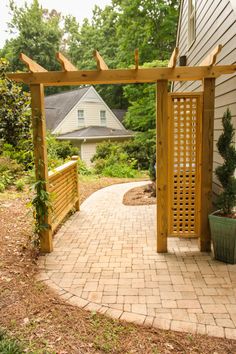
x=191, y=21
x=103, y=119
x=81, y=118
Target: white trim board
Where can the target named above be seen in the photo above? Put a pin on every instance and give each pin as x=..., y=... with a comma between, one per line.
x=94, y=137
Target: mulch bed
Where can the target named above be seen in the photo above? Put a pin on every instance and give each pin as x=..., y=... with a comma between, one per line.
x=44, y=323
x=140, y=196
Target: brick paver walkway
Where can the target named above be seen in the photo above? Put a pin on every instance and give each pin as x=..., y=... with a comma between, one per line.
x=104, y=260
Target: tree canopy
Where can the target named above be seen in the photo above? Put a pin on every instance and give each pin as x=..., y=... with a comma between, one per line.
x=14, y=110
x=37, y=34
x=115, y=31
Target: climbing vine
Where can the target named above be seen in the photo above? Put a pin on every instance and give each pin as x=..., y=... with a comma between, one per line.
x=42, y=205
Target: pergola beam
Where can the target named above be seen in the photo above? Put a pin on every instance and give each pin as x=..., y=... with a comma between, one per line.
x=211, y=58
x=32, y=65
x=173, y=58
x=101, y=65
x=122, y=76
x=65, y=63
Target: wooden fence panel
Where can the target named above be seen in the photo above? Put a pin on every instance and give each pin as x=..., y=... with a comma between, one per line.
x=63, y=188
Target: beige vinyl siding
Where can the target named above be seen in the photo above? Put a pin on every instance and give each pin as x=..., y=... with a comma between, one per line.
x=87, y=152
x=215, y=24
x=91, y=104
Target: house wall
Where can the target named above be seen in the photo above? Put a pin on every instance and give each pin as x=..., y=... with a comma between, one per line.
x=88, y=150
x=215, y=24
x=91, y=103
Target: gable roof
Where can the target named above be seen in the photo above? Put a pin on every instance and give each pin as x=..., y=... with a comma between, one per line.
x=57, y=106
x=119, y=113
x=96, y=132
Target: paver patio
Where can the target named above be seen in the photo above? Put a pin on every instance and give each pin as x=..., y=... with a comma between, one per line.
x=105, y=260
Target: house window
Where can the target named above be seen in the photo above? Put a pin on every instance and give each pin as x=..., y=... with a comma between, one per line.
x=191, y=21
x=103, y=118
x=80, y=117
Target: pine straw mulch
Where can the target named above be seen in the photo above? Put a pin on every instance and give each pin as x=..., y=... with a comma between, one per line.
x=143, y=195
x=44, y=323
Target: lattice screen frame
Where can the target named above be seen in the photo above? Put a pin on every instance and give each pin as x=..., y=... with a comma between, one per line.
x=184, y=163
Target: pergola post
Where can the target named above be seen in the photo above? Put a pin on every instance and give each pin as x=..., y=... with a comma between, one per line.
x=162, y=164
x=40, y=156
x=207, y=162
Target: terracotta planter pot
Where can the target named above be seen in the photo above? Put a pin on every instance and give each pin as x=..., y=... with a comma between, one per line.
x=223, y=234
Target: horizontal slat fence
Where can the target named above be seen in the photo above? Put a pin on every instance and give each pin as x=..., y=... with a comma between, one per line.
x=64, y=191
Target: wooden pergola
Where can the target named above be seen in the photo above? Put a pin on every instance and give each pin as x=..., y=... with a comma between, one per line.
x=182, y=183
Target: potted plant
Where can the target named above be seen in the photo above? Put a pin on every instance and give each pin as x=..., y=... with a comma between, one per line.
x=223, y=221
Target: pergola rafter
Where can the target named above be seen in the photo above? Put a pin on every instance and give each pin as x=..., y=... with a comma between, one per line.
x=65, y=63
x=101, y=65
x=173, y=58
x=31, y=64
x=202, y=102
x=210, y=60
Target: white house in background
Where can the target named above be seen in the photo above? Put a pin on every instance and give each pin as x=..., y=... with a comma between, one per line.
x=82, y=117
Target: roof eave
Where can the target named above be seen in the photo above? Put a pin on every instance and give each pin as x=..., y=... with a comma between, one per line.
x=94, y=137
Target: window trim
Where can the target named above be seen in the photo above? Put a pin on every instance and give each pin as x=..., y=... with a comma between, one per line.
x=103, y=120
x=80, y=120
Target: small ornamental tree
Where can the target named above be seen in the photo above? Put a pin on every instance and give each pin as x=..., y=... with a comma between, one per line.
x=226, y=201
x=15, y=118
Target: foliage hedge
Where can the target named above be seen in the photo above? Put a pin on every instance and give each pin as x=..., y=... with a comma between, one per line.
x=16, y=162
x=112, y=160
x=126, y=159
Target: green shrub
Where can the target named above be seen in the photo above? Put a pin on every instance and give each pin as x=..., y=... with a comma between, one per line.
x=7, y=164
x=142, y=148
x=2, y=187
x=120, y=170
x=20, y=184
x=83, y=169
x=65, y=149
x=152, y=167
x=59, y=151
x=9, y=170
x=111, y=160
x=22, y=153
x=226, y=201
x=9, y=346
x=105, y=149
x=99, y=166
x=15, y=120
x=6, y=178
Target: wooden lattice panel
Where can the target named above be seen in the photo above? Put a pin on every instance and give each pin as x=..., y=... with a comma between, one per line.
x=185, y=112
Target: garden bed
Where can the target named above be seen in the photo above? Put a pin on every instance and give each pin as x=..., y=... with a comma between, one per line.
x=143, y=195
